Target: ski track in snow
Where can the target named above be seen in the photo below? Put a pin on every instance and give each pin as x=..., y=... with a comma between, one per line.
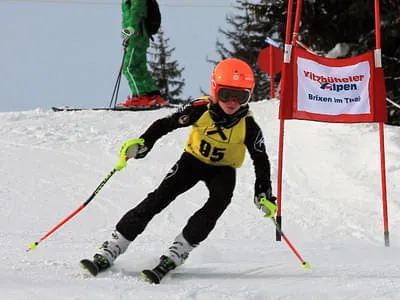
x=331, y=211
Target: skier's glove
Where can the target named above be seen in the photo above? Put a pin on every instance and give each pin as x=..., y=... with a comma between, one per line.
x=266, y=202
x=134, y=148
x=126, y=34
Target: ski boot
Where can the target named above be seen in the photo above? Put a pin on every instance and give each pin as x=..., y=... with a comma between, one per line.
x=109, y=251
x=177, y=254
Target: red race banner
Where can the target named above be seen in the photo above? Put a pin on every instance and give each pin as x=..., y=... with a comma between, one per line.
x=349, y=90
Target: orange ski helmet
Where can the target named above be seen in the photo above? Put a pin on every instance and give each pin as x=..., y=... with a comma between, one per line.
x=231, y=72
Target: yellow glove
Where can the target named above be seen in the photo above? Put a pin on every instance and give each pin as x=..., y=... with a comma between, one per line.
x=268, y=206
x=131, y=148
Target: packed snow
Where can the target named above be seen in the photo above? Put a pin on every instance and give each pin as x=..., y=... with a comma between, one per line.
x=331, y=210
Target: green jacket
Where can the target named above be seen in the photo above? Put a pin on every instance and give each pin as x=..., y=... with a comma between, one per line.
x=133, y=12
x=135, y=61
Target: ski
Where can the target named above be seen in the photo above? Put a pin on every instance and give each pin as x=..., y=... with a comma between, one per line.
x=156, y=274
x=151, y=276
x=98, y=264
x=89, y=266
x=131, y=108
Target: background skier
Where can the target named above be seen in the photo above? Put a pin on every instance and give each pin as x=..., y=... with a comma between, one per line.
x=135, y=17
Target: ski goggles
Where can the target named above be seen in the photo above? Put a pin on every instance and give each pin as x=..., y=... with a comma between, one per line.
x=225, y=94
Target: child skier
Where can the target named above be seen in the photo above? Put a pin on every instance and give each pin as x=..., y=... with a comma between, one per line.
x=222, y=128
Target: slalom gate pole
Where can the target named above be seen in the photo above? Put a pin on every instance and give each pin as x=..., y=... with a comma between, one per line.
x=304, y=264
x=114, y=96
x=82, y=206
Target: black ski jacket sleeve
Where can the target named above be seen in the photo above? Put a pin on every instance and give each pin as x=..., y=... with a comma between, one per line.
x=255, y=145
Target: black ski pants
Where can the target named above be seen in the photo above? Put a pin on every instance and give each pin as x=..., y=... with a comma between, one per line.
x=220, y=181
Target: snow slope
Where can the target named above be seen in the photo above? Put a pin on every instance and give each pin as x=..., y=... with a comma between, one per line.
x=332, y=212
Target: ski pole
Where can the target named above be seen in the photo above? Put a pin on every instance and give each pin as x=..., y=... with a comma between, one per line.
x=82, y=206
x=304, y=264
x=114, y=96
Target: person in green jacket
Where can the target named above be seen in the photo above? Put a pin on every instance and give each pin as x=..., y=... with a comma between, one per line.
x=145, y=91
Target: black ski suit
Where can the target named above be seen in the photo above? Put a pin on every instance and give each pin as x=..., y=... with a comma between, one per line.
x=188, y=170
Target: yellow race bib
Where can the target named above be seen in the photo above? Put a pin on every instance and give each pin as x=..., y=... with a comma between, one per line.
x=216, y=145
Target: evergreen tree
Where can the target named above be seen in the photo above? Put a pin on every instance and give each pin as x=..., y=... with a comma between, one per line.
x=166, y=72
x=246, y=38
